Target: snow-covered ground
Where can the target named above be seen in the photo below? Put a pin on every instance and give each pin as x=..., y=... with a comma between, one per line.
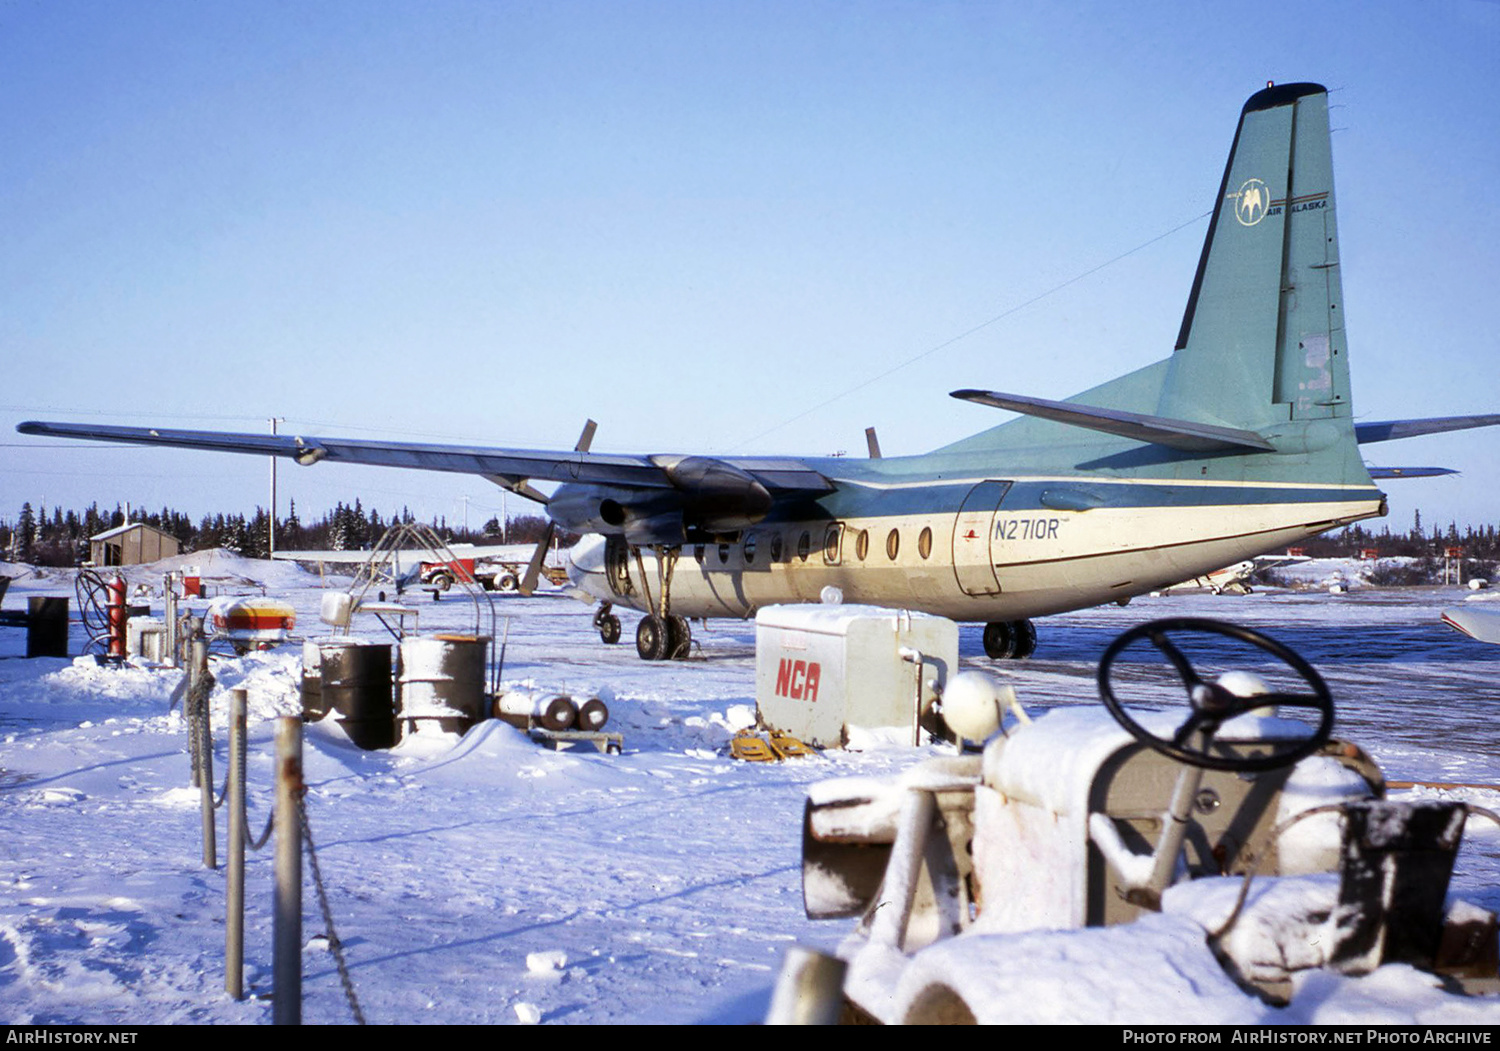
x=484, y=879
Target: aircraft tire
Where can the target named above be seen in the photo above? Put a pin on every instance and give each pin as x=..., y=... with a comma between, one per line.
x=442, y=581
x=1025, y=636
x=679, y=638
x=999, y=640
x=609, y=630
x=651, y=638
x=508, y=582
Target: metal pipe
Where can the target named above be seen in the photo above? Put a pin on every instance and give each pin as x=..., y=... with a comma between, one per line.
x=914, y=656
x=809, y=990
x=899, y=890
x=286, y=937
x=234, y=907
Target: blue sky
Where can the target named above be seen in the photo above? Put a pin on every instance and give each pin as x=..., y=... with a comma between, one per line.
x=694, y=222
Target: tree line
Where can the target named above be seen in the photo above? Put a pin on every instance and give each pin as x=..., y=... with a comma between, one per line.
x=57, y=537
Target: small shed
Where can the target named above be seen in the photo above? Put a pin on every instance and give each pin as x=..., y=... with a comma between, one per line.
x=130, y=545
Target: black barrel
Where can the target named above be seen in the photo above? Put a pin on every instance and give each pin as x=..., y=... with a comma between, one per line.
x=314, y=707
x=357, y=685
x=46, y=627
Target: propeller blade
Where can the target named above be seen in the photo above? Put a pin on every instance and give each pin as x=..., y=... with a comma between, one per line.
x=534, y=570
x=587, y=437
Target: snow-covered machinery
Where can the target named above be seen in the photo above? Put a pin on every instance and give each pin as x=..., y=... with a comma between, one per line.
x=1090, y=841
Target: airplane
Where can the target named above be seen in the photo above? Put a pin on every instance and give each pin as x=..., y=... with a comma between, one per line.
x=1239, y=443
x=1235, y=579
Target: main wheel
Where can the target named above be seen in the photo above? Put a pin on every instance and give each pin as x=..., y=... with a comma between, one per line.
x=999, y=641
x=609, y=629
x=651, y=638
x=679, y=637
x=1024, y=633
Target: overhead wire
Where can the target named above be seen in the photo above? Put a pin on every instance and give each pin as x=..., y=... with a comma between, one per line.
x=969, y=332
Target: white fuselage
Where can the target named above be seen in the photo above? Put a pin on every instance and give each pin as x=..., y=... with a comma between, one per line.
x=986, y=564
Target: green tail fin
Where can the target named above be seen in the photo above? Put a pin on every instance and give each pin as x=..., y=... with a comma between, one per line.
x=1262, y=340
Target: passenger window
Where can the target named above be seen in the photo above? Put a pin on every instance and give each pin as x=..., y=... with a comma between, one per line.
x=893, y=544
x=723, y=552
x=924, y=542
x=749, y=548
x=862, y=545
x=775, y=547
x=804, y=545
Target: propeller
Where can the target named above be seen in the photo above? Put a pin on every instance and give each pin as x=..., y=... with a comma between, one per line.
x=534, y=568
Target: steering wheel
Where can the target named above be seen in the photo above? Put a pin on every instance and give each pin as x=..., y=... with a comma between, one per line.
x=1212, y=704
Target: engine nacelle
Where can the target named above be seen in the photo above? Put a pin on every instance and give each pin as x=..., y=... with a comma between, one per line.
x=707, y=496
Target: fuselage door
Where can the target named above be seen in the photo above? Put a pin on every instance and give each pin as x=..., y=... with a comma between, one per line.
x=974, y=538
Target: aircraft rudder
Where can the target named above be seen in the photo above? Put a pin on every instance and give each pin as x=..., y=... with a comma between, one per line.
x=1262, y=337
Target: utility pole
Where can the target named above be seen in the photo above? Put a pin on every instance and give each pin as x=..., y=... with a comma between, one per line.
x=271, y=528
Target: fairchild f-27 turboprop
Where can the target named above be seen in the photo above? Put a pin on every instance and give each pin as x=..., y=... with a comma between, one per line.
x=1240, y=442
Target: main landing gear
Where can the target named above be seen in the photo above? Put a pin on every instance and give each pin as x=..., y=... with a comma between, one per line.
x=663, y=638
x=661, y=634
x=1009, y=640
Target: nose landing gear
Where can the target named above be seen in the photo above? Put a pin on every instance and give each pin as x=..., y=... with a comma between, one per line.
x=607, y=624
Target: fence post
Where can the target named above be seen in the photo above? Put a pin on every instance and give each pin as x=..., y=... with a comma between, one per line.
x=169, y=615
x=234, y=918
x=197, y=663
x=286, y=959
x=203, y=733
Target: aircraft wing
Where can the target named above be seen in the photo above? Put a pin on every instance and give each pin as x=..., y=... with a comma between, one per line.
x=506, y=467
x=478, y=552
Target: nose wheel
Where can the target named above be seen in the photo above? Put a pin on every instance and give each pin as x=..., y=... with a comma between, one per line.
x=608, y=625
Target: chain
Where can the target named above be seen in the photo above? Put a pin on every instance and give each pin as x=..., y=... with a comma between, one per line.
x=334, y=945
x=256, y=844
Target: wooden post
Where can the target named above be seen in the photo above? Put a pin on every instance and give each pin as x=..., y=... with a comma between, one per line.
x=234, y=908
x=286, y=957
x=205, y=738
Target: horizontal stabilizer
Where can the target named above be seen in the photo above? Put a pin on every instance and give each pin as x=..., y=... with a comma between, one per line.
x=1390, y=430
x=1158, y=430
x=1409, y=472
